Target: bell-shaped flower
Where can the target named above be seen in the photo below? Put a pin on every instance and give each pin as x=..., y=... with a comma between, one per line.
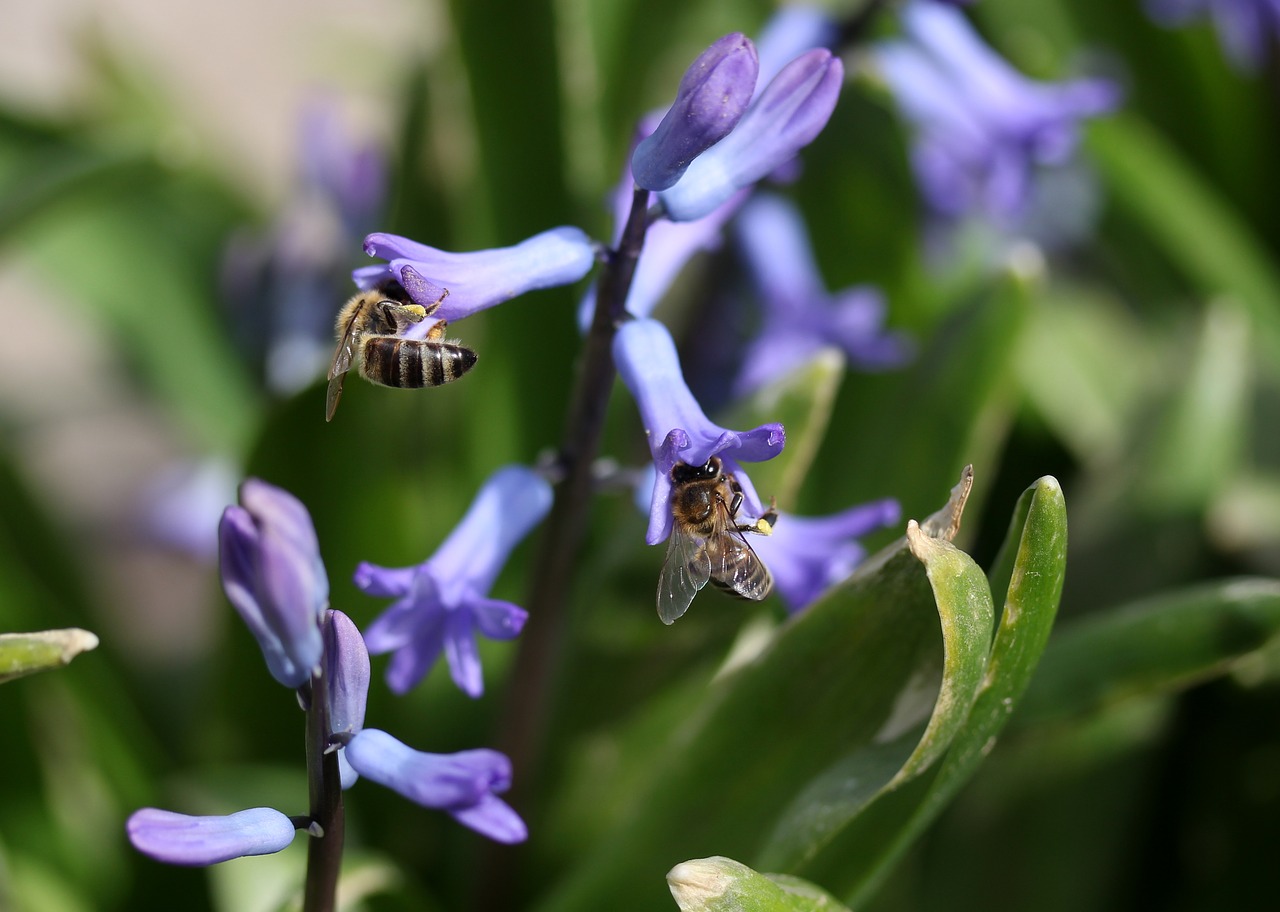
x=712, y=96
x=273, y=576
x=792, y=30
x=786, y=117
x=442, y=603
x=800, y=316
x=346, y=672
x=1246, y=28
x=809, y=554
x=479, y=279
x=180, y=839
x=982, y=129
x=675, y=425
x=465, y=784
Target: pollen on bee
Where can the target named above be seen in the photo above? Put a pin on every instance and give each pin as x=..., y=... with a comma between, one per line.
x=417, y=310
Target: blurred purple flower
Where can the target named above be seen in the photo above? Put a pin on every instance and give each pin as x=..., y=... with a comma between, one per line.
x=786, y=117
x=442, y=602
x=674, y=423
x=479, y=279
x=981, y=128
x=710, y=101
x=790, y=32
x=180, y=839
x=273, y=576
x=1246, y=28
x=809, y=554
x=180, y=505
x=464, y=784
x=799, y=315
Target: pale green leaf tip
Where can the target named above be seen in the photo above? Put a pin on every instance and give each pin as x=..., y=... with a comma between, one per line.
x=720, y=884
x=946, y=522
x=696, y=884
x=26, y=653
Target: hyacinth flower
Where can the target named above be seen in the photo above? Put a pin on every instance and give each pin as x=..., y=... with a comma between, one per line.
x=790, y=32
x=479, y=279
x=784, y=118
x=710, y=101
x=273, y=576
x=676, y=428
x=1246, y=28
x=800, y=316
x=443, y=602
x=981, y=129
x=809, y=554
x=181, y=839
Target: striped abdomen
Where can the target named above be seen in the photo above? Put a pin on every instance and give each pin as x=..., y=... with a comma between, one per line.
x=413, y=363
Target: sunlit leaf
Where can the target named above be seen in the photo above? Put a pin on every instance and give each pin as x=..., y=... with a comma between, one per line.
x=724, y=885
x=26, y=653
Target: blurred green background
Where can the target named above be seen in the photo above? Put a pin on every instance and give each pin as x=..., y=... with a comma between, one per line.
x=1138, y=366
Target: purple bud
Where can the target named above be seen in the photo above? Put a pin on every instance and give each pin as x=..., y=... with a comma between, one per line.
x=273, y=576
x=786, y=117
x=479, y=279
x=712, y=97
x=674, y=423
x=196, y=841
x=462, y=784
x=346, y=670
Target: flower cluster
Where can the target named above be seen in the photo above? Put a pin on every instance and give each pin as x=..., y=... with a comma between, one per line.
x=274, y=577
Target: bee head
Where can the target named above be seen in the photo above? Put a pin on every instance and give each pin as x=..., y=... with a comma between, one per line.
x=682, y=472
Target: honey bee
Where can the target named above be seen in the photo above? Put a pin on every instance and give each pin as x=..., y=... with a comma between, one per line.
x=373, y=323
x=707, y=541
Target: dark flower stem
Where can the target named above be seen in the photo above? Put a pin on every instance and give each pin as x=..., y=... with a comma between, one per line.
x=525, y=715
x=324, y=852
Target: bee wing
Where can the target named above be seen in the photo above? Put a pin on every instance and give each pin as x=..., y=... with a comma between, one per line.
x=343, y=355
x=333, y=395
x=685, y=570
x=735, y=566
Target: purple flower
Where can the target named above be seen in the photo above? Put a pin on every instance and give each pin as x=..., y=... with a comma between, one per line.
x=1245, y=27
x=464, y=784
x=442, y=602
x=800, y=315
x=479, y=279
x=273, y=576
x=790, y=32
x=347, y=677
x=709, y=103
x=981, y=128
x=181, y=504
x=196, y=841
x=785, y=118
x=674, y=423
x=809, y=554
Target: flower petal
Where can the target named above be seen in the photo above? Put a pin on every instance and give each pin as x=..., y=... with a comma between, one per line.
x=196, y=841
x=493, y=817
x=448, y=781
x=347, y=673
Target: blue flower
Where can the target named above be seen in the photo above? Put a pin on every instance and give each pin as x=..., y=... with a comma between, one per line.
x=479, y=279
x=1245, y=27
x=273, y=576
x=674, y=423
x=785, y=118
x=981, y=128
x=464, y=784
x=800, y=315
x=346, y=673
x=180, y=839
x=442, y=602
x=709, y=103
x=809, y=554
x=792, y=30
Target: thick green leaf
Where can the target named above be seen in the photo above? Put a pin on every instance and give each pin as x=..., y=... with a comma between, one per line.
x=723, y=885
x=1159, y=644
x=26, y=653
x=860, y=668
x=856, y=856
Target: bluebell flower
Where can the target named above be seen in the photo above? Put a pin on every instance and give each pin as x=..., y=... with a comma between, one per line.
x=180, y=839
x=710, y=101
x=675, y=425
x=181, y=504
x=792, y=30
x=464, y=784
x=800, y=316
x=442, y=603
x=1246, y=28
x=982, y=129
x=479, y=279
x=786, y=117
x=809, y=554
x=273, y=576
x=346, y=675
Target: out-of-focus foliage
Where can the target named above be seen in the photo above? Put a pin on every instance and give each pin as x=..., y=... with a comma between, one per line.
x=1137, y=367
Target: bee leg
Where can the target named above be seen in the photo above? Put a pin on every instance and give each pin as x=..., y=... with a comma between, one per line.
x=437, y=331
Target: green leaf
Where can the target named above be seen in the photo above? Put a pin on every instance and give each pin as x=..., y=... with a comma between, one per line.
x=26, y=653
x=802, y=402
x=859, y=669
x=1159, y=644
x=859, y=853
x=721, y=884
